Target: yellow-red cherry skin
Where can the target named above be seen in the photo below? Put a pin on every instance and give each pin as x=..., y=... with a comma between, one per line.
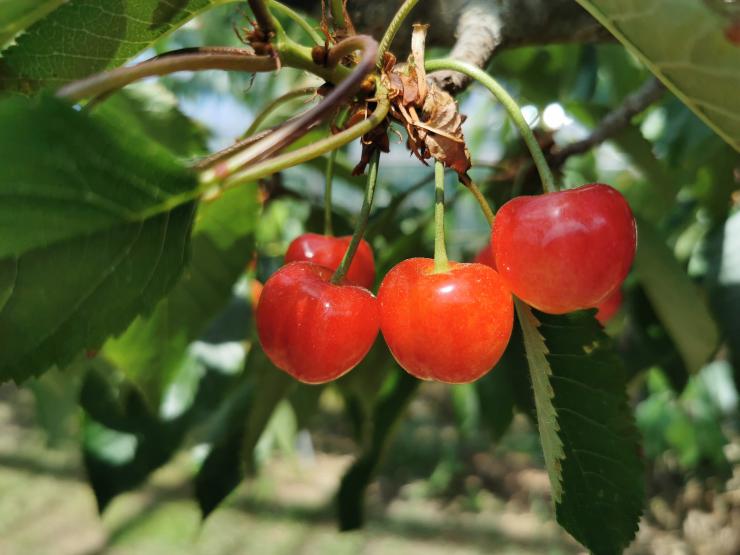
x=312, y=329
x=451, y=326
x=328, y=251
x=565, y=251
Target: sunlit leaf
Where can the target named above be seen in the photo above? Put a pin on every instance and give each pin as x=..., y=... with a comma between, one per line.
x=683, y=42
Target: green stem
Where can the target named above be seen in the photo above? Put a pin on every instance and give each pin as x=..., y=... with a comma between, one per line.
x=441, y=264
x=295, y=128
x=510, y=105
x=337, y=14
x=393, y=27
x=272, y=106
x=299, y=19
x=328, y=227
x=367, y=204
x=485, y=207
x=213, y=176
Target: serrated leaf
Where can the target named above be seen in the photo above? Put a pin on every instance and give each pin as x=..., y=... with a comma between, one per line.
x=677, y=301
x=586, y=426
x=86, y=231
x=247, y=413
x=86, y=36
x=389, y=407
x=17, y=15
x=547, y=417
x=154, y=346
x=690, y=54
x=602, y=474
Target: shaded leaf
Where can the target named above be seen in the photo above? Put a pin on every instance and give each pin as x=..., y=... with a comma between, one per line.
x=17, y=15
x=391, y=403
x=87, y=227
x=247, y=412
x=691, y=54
x=153, y=110
x=676, y=299
x=86, y=36
x=153, y=347
x=506, y=388
x=602, y=474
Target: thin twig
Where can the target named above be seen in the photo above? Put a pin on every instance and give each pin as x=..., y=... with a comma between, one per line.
x=614, y=121
x=188, y=59
x=296, y=128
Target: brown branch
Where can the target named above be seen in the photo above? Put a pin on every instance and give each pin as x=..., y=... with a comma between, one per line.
x=188, y=59
x=263, y=16
x=614, y=121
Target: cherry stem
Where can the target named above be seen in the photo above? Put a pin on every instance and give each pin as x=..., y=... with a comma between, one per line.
x=337, y=14
x=328, y=227
x=393, y=27
x=441, y=264
x=299, y=19
x=275, y=104
x=485, y=207
x=510, y=105
x=361, y=226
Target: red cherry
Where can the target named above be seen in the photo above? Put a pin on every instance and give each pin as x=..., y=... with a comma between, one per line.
x=486, y=256
x=565, y=251
x=451, y=326
x=609, y=306
x=311, y=328
x=329, y=251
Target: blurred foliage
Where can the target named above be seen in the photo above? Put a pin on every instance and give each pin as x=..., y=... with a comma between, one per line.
x=189, y=376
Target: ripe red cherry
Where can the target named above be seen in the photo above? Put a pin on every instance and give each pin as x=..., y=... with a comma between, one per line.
x=312, y=329
x=565, y=251
x=329, y=251
x=451, y=326
x=609, y=306
x=486, y=256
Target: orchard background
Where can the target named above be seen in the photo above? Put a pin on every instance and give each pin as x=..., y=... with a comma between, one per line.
x=144, y=199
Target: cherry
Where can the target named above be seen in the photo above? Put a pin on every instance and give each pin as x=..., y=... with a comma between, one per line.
x=567, y=250
x=485, y=256
x=312, y=329
x=609, y=306
x=328, y=251
x=450, y=326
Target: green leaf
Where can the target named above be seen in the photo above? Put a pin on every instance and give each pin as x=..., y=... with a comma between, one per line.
x=391, y=403
x=17, y=15
x=676, y=299
x=88, y=238
x=722, y=252
x=547, y=417
x=153, y=110
x=602, y=474
x=588, y=432
x=246, y=415
x=86, y=36
x=153, y=347
x=690, y=54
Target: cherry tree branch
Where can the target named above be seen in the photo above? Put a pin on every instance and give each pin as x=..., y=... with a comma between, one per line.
x=616, y=120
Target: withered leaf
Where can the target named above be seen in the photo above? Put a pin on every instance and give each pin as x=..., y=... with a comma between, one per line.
x=444, y=137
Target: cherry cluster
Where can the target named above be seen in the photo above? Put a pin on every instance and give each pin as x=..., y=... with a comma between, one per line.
x=558, y=252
